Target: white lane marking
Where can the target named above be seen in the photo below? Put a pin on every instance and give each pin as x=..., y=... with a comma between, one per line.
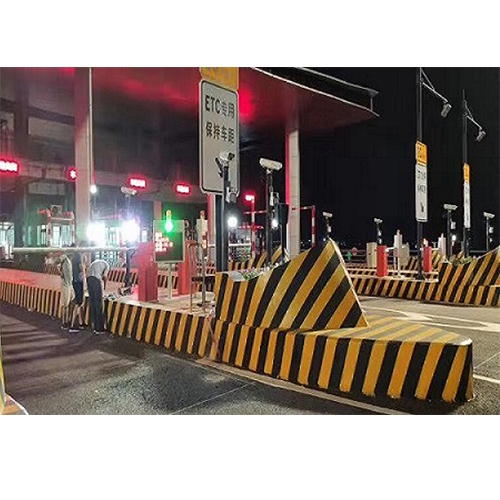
x=486, y=360
x=487, y=379
x=211, y=399
x=413, y=316
x=281, y=384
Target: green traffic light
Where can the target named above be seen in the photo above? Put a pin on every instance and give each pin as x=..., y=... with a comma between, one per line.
x=169, y=225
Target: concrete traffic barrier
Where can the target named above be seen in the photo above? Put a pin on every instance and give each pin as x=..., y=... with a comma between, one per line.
x=302, y=322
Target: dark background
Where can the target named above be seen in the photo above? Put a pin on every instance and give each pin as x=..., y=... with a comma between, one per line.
x=366, y=171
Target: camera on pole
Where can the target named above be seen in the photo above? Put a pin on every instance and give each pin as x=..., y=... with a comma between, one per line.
x=228, y=194
x=270, y=166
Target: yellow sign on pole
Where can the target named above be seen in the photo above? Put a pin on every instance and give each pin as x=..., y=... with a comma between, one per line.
x=225, y=77
x=466, y=172
x=421, y=153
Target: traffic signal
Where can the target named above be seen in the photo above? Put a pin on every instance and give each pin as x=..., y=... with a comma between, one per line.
x=169, y=225
x=72, y=174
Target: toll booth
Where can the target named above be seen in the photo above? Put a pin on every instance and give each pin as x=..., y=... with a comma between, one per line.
x=52, y=227
x=6, y=240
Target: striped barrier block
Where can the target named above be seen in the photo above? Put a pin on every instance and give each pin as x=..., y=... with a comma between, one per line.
x=257, y=262
x=390, y=358
x=302, y=322
x=312, y=291
x=476, y=283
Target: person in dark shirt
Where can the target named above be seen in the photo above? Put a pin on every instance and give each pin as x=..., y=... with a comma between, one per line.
x=77, y=263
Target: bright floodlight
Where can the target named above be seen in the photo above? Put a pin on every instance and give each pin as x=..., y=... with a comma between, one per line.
x=274, y=223
x=96, y=233
x=453, y=237
x=448, y=206
x=232, y=222
x=481, y=135
x=93, y=189
x=446, y=109
x=130, y=231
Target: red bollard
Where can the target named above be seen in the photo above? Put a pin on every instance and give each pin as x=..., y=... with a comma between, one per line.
x=148, y=272
x=184, y=273
x=427, y=259
x=382, y=266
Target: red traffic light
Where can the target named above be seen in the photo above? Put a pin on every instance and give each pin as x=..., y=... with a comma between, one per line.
x=182, y=188
x=72, y=173
x=9, y=166
x=137, y=182
x=250, y=197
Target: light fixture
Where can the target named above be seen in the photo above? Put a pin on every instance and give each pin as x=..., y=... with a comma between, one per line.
x=93, y=189
x=274, y=223
x=130, y=230
x=446, y=109
x=480, y=135
x=232, y=222
x=96, y=233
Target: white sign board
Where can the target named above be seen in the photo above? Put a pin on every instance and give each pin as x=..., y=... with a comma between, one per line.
x=467, y=204
x=421, y=192
x=219, y=132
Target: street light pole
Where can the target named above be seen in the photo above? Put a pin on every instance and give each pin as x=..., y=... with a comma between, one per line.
x=420, y=225
x=464, y=162
x=467, y=116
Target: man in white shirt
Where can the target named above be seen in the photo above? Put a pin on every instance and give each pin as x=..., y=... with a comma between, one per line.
x=96, y=281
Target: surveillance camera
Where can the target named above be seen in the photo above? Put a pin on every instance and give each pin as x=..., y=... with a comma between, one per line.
x=226, y=156
x=378, y=221
x=481, y=135
x=327, y=215
x=487, y=215
x=446, y=109
x=270, y=164
x=447, y=206
x=128, y=191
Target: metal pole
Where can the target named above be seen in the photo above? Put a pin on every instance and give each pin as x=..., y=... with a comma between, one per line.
x=252, y=231
x=223, y=222
x=448, y=234
x=269, y=191
x=464, y=161
x=419, y=138
x=487, y=234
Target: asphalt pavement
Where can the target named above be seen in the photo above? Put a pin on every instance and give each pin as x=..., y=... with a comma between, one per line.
x=50, y=371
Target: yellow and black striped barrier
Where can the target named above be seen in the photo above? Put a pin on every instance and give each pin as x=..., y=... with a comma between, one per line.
x=312, y=291
x=390, y=358
x=257, y=262
x=474, y=283
x=301, y=322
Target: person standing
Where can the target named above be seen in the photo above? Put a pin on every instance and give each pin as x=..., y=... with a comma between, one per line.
x=96, y=282
x=78, y=268
x=67, y=293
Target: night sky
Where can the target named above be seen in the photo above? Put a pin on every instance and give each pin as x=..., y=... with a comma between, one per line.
x=367, y=170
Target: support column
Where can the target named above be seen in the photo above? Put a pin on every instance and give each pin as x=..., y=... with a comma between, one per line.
x=84, y=154
x=293, y=190
x=211, y=226
x=157, y=210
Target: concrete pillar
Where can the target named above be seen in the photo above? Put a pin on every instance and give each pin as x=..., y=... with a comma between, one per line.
x=293, y=190
x=84, y=154
x=157, y=210
x=211, y=226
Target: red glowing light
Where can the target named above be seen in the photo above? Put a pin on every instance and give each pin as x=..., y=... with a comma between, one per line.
x=137, y=182
x=250, y=198
x=9, y=166
x=72, y=174
x=181, y=188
